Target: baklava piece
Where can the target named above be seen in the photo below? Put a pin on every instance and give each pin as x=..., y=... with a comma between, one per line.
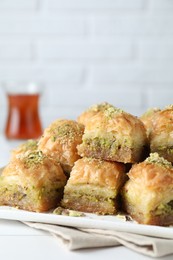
x=85, y=117
x=32, y=182
x=60, y=141
x=161, y=136
x=148, y=194
x=114, y=135
x=94, y=186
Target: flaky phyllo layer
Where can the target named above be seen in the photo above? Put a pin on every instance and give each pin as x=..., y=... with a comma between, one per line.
x=109, y=147
x=30, y=198
x=90, y=198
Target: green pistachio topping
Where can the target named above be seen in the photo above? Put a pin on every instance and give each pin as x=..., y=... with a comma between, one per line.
x=99, y=107
x=108, y=109
x=155, y=158
x=68, y=212
x=110, y=143
x=164, y=208
x=33, y=159
x=65, y=130
x=53, y=138
x=31, y=143
x=111, y=111
x=170, y=150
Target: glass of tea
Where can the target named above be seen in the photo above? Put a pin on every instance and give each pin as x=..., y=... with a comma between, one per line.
x=23, y=121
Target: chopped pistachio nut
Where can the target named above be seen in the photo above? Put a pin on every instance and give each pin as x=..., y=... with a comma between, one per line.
x=155, y=158
x=170, y=150
x=167, y=149
x=31, y=143
x=99, y=107
x=164, y=208
x=161, y=148
x=74, y=213
x=65, y=130
x=33, y=159
x=53, y=138
x=68, y=212
x=110, y=143
x=111, y=111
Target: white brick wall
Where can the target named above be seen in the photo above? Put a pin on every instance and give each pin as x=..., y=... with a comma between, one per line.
x=39, y=24
x=160, y=4
x=84, y=52
x=134, y=24
x=18, y=5
x=95, y=4
x=15, y=51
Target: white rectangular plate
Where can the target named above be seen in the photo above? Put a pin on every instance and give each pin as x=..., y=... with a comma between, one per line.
x=88, y=221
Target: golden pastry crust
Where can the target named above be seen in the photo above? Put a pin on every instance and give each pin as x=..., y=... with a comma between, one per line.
x=93, y=186
x=86, y=116
x=114, y=135
x=97, y=172
x=148, y=119
x=161, y=136
x=60, y=140
x=32, y=181
x=151, y=202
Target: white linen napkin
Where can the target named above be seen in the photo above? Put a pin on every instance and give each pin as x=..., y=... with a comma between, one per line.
x=75, y=238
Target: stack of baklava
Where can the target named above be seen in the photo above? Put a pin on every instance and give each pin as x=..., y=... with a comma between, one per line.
x=99, y=163
x=148, y=194
x=35, y=177
x=111, y=139
x=113, y=142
